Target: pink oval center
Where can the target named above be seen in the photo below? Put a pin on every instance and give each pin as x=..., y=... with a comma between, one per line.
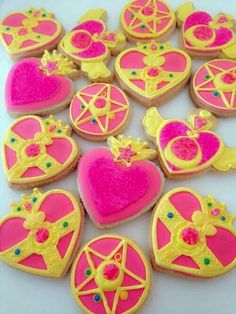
x=153, y=72
x=81, y=40
x=111, y=272
x=22, y=31
x=100, y=103
x=228, y=78
x=41, y=235
x=190, y=236
x=32, y=150
x=203, y=33
x=185, y=148
x=147, y=11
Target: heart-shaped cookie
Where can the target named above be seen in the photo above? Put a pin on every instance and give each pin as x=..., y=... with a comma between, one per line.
x=41, y=234
x=153, y=72
x=188, y=148
x=35, y=86
x=192, y=235
x=28, y=33
x=37, y=152
x=120, y=184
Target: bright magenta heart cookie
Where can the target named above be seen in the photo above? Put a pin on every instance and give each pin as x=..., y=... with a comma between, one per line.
x=205, y=36
x=188, y=148
x=192, y=235
x=41, y=234
x=119, y=183
x=29, y=33
x=35, y=86
x=110, y=275
x=152, y=72
x=37, y=152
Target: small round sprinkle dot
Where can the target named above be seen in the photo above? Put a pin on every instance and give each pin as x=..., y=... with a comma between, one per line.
x=88, y=272
x=171, y=75
x=8, y=28
x=207, y=77
x=48, y=164
x=43, y=15
x=209, y=204
x=82, y=106
x=38, y=36
x=96, y=297
x=144, y=47
x=65, y=224
x=12, y=140
x=131, y=16
x=17, y=251
x=93, y=121
x=222, y=218
x=18, y=209
x=170, y=215
x=133, y=73
x=206, y=261
x=59, y=131
x=215, y=94
x=161, y=47
x=143, y=26
x=34, y=199
x=30, y=11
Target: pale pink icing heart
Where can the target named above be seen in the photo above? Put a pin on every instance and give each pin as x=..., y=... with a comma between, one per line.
x=112, y=192
x=28, y=88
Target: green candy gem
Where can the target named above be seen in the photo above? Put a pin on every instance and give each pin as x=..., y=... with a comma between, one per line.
x=144, y=47
x=65, y=224
x=12, y=140
x=59, y=131
x=206, y=261
x=161, y=47
x=209, y=204
x=207, y=77
x=18, y=209
x=34, y=199
x=82, y=106
x=171, y=75
x=143, y=26
x=88, y=272
x=48, y=164
x=222, y=218
x=43, y=15
x=133, y=73
x=38, y=36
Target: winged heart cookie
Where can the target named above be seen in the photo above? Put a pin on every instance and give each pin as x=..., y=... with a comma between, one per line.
x=192, y=235
x=41, y=234
x=152, y=72
x=29, y=33
x=37, y=152
x=186, y=149
x=119, y=184
x=35, y=86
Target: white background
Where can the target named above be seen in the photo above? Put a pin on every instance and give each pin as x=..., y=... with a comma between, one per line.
x=27, y=294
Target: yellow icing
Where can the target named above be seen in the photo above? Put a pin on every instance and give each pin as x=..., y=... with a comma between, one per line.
x=94, y=14
x=204, y=222
x=122, y=292
x=140, y=149
x=41, y=161
x=184, y=10
x=227, y=160
x=153, y=59
x=29, y=23
x=95, y=70
x=35, y=219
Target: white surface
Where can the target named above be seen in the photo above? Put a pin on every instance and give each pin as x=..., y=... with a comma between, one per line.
x=22, y=293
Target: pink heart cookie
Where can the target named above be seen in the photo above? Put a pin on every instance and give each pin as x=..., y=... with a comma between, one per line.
x=41, y=234
x=192, y=235
x=35, y=86
x=29, y=33
x=37, y=152
x=118, y=185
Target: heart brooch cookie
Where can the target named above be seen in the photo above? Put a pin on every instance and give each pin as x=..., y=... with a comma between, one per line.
x=152, y=72
x=41, y=234
x=35, y=86
x=119, y=183
x=110, y=275
x=99, y=110
x=29, y=33
x=147, y=19
x=213, y=87
x=204, y=36
x=186, y=149
x=90, y=45
x=192, y=235
x=37, y=152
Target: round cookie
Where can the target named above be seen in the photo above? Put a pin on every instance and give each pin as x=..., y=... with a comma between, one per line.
x=153, y=73
x=188, y=148
x=120, y=183
x=98, y=111
x=40, y=86
x=213, y=87
x=110, y=275
x=90, y=45
x=145, y=20
x=192, y=235
x=29, y=33
x=42, y=233
x=37, y=152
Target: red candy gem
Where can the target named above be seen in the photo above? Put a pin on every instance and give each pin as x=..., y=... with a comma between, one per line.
x=148, y=11
x=228, y=78
x=111, y=272
x=215, y=212
x=41, y=235
x=190, y=236
x=100, y=103
x=32, y=150
x=81, y=40
x=153, y=72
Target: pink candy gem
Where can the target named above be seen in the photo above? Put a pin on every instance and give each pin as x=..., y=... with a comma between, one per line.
x=222, y=19
x=100, y=103
x=32, y=150
x=109, y=37
x=52, y=128
x=81, y=40
x=28, y=206
x=153, y=72
x=154, y=47
x=126, y=153
x=111, y=272
x=22, y=31
x=51, y=66
x=228, y=78
x=215, y=212
x=41, y=235
x=147, y=11
x=190, y=236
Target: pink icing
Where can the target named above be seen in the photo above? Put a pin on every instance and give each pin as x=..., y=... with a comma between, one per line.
x=111, y=272
x=153, y=72
x=199, y=122
x=91, y=26
x=32, y=150
x=186, y=261
x=27, y=128
x=163, y=234
x=33, y=172
x=34, y=261
x=229, y=78
x=223, y=36
x=203, y=33
x=123, y=200
x=64, y=243
x=94, y=50
x=185, y=148
x=41, y=235
x=60, y=149
x=197, y=18
x=29, y=89
x=10, y=157
x=81, y=40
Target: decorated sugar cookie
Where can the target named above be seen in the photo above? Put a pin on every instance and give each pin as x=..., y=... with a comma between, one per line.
x=110, y=275
x=205, y=36
x=35, y=86
x=214, y=87
x=147, y=19
x=192, y=235
x=29, y=33
x=99, y=110
x=152, y=72
x=37, y=152
x=41, y=234
x=119, y=183
x=90, y=45
x=188, y=148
